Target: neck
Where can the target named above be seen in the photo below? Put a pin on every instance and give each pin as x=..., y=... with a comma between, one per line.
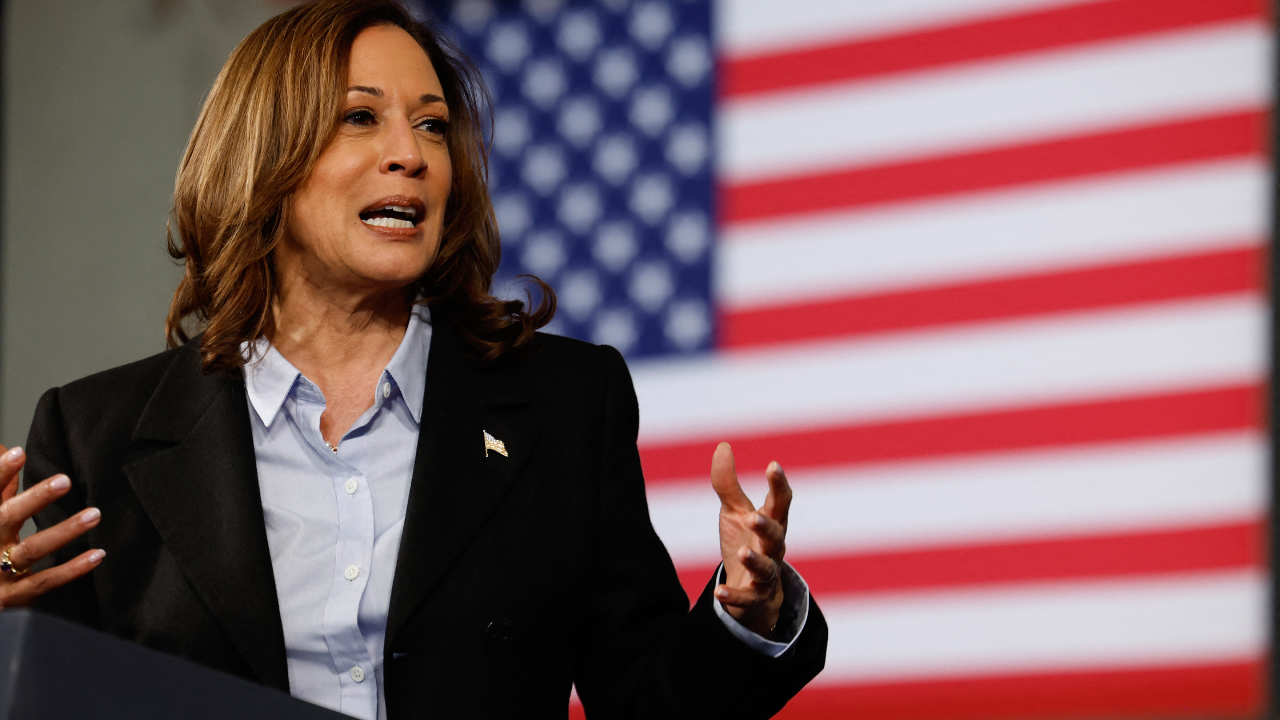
x=333, y=334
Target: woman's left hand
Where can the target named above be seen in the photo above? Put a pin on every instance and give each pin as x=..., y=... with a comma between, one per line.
x=17, y=586
x=752, y=543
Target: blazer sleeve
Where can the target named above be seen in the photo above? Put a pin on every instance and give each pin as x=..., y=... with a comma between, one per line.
x=48, y=454
x=641, y=652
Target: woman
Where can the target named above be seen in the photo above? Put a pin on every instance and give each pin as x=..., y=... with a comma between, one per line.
x=471, y=538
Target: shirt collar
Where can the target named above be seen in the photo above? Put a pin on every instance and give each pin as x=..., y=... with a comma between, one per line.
x=408, y=367
x=270, y=377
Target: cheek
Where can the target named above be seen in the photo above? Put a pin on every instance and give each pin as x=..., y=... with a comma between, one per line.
x=347, y=167
x=320, y=210
x=441, y=192
x=336, y=174
x=442, y=181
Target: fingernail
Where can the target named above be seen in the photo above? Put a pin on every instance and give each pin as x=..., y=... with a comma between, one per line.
x=97, y=555
x=722, y=593
x=62, y=482
x=14, y=455
x=750, y=553
x=759, y=521
x=776, y=467
x=90, y=515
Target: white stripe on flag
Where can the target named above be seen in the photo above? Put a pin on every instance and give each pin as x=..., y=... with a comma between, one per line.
x=1080, y=90
x=1111, y=219
x=1175, y=345
x=1125, y=487
x=1200, y=618
x=757, y=26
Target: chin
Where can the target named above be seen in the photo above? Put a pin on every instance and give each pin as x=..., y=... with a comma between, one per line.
x=389, y=280
x=393, y=268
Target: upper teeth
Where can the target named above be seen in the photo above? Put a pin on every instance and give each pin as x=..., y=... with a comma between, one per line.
x=387, y=222
x=401, y=209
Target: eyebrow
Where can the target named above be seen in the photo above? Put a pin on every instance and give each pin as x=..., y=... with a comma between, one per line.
x=425, y=98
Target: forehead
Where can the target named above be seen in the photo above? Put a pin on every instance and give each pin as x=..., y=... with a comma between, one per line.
x=387, y=57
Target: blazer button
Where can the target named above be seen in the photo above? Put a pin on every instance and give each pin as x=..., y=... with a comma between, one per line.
x=499, y=633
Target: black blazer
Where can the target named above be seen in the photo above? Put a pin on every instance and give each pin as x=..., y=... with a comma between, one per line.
x=517, y=576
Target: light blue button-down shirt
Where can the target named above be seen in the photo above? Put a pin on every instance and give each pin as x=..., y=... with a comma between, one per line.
x=334, y=522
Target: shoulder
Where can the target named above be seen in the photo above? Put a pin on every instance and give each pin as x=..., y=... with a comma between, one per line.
x=553, y=358
x=90, y=422
x=569, y=350
x=115, y=394
x=563, y=372
x=140, y=376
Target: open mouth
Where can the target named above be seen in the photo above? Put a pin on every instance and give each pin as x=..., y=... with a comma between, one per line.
x=399, y=213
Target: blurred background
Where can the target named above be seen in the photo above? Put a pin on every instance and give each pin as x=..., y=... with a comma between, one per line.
x=988, y=277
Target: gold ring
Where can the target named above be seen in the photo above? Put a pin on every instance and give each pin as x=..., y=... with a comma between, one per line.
x=6, y=565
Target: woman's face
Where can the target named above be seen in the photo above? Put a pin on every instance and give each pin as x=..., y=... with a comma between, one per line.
x=370, y=214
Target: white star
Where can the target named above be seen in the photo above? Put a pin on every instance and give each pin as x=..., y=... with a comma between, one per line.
x=652, y=197
x=615, y=245
x=544, y=82
x=544, y=168
x=579, y=34
x=651, y=285
x=543, y=253
x=508, y=45
x=651, y=24
x=579, y=207
x=652, y=109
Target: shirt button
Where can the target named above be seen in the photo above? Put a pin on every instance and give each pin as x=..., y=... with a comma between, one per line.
x=386, y=390
x=357, y=674
x=351, y=486
x=352, y=572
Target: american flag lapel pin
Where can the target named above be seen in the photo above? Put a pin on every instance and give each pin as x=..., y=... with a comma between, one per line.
x=494, y=444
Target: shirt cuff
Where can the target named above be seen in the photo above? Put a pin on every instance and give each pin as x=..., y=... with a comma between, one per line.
x=795, y=599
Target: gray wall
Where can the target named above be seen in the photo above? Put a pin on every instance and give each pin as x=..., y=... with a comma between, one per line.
x=100, y=96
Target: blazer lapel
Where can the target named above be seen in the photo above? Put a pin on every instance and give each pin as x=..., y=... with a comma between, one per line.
x=202, y=495
x=455, y=487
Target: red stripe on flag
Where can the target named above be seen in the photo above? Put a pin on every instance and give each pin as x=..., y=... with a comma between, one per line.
x=1186, y=276
x=1215, y=547
x=1201, y=411
x=981, y=40
x=1226, y=690
x=1219, y=136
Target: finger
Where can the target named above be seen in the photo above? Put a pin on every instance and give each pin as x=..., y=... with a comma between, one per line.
x=771, y=534
x=763, y=570
x=17, y=511
x=30, y=587
x=738, y=597
x=29, y=551
x=724, y=479
x=777, y=504
x=10, y=462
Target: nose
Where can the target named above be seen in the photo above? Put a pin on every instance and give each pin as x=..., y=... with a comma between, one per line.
x=401, y=153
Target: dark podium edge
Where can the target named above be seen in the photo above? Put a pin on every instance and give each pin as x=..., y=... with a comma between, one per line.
x=57, y=669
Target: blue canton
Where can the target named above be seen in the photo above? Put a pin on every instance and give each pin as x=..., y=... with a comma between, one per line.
x=601, y=163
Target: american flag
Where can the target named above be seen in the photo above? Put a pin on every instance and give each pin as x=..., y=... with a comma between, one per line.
x=986, y=276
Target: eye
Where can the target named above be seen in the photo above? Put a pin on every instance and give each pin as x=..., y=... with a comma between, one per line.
x=435, y=126
x=359, y=116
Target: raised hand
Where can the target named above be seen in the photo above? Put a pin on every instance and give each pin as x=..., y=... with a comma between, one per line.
x=18, y=585
x=752, y=543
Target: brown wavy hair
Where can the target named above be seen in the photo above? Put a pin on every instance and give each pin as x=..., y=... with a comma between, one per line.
x=272, y=111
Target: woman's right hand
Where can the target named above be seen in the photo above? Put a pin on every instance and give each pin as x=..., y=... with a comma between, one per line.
x=19, y=586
